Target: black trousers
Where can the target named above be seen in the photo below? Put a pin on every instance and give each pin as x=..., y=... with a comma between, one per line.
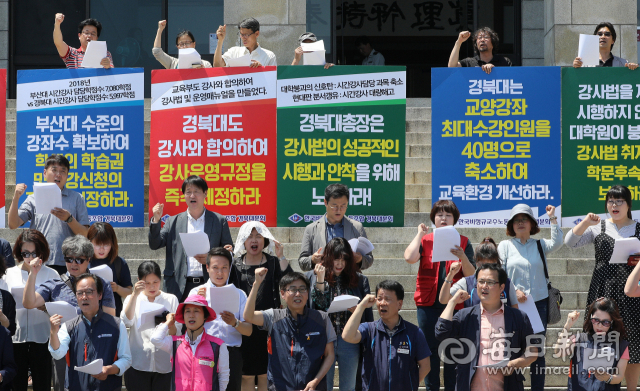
x=136, y=380
x=34, y=356
x=235, y=368
x=191, y=283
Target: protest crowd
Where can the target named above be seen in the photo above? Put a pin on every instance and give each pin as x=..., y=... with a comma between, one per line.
x=238, y=317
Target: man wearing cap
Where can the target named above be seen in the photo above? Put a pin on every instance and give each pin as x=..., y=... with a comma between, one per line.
x=91, y=335
x=300, y=340
x=200, y=362
x=306, y=38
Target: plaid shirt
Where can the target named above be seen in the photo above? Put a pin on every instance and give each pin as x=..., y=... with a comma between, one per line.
x=73, y=58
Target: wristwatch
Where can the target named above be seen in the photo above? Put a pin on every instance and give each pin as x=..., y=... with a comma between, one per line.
x=235, y=326
x=610, y=378
x=70, y=219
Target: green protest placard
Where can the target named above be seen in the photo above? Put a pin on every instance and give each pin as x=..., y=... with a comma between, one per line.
x=344, y=124
x=600, y=138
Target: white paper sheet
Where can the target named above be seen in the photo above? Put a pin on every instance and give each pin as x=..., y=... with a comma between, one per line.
x=146, y=313
x=603, y=358
x=195, y=243
x=96, y=51
x=93, y=368
x=444, y=239
x=623, y=248
x=314, y=58
x=529, y=307
x=63, y=308
x=589, y=49
x=225, y=298
x=243, y=61
x=188, y=57
x=213, y=43
x=17, y=292
x=499, y=364
x=103, y=271
x=361, y=245
x=312, y=46
x=48, y=196
x=343, y=303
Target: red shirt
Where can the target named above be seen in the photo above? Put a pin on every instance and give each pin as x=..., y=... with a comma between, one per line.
x=73, y=58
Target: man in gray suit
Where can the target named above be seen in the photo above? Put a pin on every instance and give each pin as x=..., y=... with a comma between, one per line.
x=182, y=273
x=333, y=224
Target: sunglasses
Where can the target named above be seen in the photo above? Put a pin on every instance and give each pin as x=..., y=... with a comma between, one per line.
x=25, y=254
x=605, y=33
x=605, y=323
x=79, y=261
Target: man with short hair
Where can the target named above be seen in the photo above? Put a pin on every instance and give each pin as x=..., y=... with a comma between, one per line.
x=90, y=336
x=300, y=339
x=333, y=224
x=61, y=223
x=88, y=30
x=485, y=44
x=249, y=30
x=395, y=351
x=182, y=273
x=228, y=326
x=77, y=251
x=371, y=56
x=498, y=333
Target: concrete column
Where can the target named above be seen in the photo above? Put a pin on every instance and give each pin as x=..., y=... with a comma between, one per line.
x=533, y=33
x=565, y=20
x=281, y=23
x=4, y=34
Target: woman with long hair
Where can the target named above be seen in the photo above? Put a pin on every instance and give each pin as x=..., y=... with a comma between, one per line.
x=334, y=276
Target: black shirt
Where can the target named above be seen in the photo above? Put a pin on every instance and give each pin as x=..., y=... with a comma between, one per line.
x=608, y=63
x=475, y=61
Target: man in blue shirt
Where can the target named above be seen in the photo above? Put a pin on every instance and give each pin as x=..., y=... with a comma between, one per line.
x=396, y=353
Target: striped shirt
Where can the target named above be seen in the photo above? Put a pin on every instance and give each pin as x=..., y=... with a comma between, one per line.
x=73, y=58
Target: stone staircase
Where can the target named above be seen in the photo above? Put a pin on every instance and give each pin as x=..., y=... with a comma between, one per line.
x=570, y=269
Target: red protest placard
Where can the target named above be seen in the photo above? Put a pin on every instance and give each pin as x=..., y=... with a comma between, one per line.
x=220, y=124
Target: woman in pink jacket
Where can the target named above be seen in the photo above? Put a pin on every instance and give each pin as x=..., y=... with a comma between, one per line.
x=200, y=361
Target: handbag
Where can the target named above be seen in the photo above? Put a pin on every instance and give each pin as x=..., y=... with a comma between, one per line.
x=555, y=298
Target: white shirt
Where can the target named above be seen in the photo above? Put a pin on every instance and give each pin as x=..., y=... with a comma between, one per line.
x=162, y=340
x=263, y=56
x=147, y=357
x=195, y=225
x=31, y=325
x=218, y=328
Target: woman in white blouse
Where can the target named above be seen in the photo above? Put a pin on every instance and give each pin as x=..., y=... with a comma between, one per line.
x=30, y=342
x=151, y=367
x=609, y=279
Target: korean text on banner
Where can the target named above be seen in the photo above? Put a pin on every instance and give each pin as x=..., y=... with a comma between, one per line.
x=343, y=124
x=94, y=117
x=600, y=139
x=219, y=124
x=496, y=142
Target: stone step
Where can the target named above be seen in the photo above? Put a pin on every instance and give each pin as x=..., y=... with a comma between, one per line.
x=418, y=113
x=418, y=138
x=418, y=126
x=418, y=150
x=417, y=177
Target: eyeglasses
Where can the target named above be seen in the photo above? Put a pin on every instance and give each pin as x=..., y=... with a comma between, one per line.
x=195, y=193
x=79, y=261
x=55, y=171
x=184, y=44
x=605, y=323
x=25, y=254
x=521, y=220
x=302, y=290
x=615, y=202
x=247, y=35
x=102, y=245
x=338, y=207
x=605, y=33
x=88, y=293
x=483, y=38
x=89, y=33
x=489, y=283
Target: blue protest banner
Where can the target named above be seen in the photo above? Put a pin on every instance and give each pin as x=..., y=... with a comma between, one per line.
x=496, y=141
x=95, y=117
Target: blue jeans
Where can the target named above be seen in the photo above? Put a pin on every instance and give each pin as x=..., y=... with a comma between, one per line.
x=537, y=368
x=427, y=319
x=347, y=356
